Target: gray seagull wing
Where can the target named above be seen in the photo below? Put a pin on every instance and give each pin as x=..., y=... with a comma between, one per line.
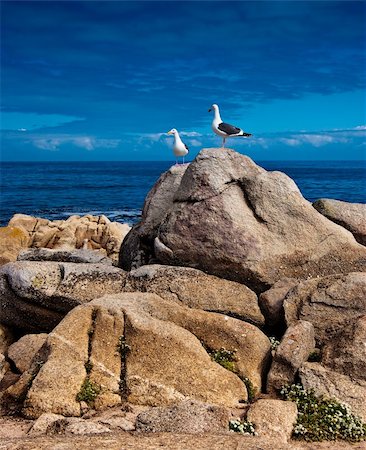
x=228, y=129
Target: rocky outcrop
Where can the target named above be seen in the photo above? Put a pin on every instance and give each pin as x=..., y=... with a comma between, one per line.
x=231, y=218
x=198, y=290
x=296, y=345
x=23, y=351
x=141, y=348
x=351, y=216
x=137, y=248
x=89, y=232
x=12, y=240
x=332, y=384
x=72, y=256
x=329, y=303
x=35, y=296
x=273, y=419
x=189, y=416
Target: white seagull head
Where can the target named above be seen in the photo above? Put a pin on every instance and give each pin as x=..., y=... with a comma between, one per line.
x=214, y=107
x=172, y=131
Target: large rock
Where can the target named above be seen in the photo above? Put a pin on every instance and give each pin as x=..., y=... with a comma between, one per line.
x=187, y=417
x=346, y=353
x=90, y=232
x=332, y=384
x=35, y=296
x=12, y=240
x=144, y=349
x=22, y=352
x=137, y=248
x=231, y=218
x=329, y=303
x=198, y=290
x=351, y=216
x=73, y=256
x=293, y=351
x=273, y=419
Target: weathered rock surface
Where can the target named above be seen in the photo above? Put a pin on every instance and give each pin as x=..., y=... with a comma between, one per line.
x=4, y=366
x=22, y=352
x=271, y=302
x=12, y=240
x=43, y=422
x=332, y=384
x=346, y=353
x=351, y=216
x=189, y=416
x=73, y=425
x=197, y=290
x=35, y=296
x=293, y=351
x=273, y=419
x=137, y=248
x=329, y=303
x=72, y=256
x=90, y=232
x=143, y=349
x=231, y=218
x=6, y=338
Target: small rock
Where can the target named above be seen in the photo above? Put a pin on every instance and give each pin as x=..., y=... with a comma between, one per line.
x=296, y=345
x=23, y=351
x=76, y=426
x=273, y=419
x=72, y=256
x=186, y=417
x=12, y=240
x=43, y=422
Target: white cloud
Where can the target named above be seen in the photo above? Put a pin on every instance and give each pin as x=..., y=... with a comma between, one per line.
x=53, y=143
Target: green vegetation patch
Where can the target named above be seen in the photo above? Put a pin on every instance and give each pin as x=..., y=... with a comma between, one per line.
x=88, y=392
x=226, y=358
x=321, y=419
x=242, y=427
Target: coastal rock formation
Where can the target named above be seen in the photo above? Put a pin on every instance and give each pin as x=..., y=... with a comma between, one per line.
x=35, y=296
x=189, y=416
x=143, y=349
x=22, y=352
x=231, y=218
x=351, y=216
x=90, y=232
x=197, y=290
x=332, y=384
x=73, y=256
x=296, y=345
x=329, y=303
x=12, y=240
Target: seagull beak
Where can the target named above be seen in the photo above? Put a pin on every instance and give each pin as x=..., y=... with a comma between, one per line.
x=210, y=110
x=169, y=132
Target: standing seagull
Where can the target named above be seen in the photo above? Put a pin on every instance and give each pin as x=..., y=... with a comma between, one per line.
x=223, y=129
x=179, y=147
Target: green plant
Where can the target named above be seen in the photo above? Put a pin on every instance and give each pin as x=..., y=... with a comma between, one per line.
x=243, y=427
x=88, y=392
x=226, y=358
x=321, y=419
x=250, y=389
x=315, y=356
x=274, y=343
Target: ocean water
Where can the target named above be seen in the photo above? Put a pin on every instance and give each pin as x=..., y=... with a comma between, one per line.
x=57, y=190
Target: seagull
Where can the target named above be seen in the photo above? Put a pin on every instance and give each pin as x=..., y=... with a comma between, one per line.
x=179, y=147
x=223, y=129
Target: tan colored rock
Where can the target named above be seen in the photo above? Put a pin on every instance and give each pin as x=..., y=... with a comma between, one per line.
x=22, y=352
x=43, y=422
x=197, y=290
x=189, y=416
x=6, y=338
x=351, y=216
x=332, y=384
x=271, y=302
x=140, y=348
x=329, y=303
x=72, y=425
x=59, y=380
x=35, y=296
x=4, y=366
x=346, y=353
x=233, y=219
x=296, y=345
x=28, y=223
x=12, y=240
x=273, y=419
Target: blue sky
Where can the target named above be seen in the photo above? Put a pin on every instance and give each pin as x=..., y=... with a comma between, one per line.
x=105, y=80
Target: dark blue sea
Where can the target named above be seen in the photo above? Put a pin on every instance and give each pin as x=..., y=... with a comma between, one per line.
x=117, y=189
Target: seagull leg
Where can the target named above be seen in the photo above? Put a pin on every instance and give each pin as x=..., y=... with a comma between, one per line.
x=183, y=159
x=223, y=142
